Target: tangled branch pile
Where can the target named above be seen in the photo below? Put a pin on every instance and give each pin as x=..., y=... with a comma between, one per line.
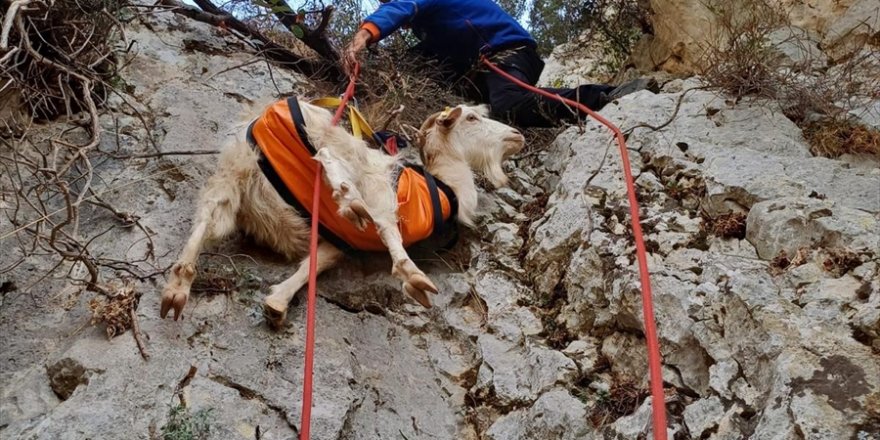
x=60, y=58
x=57, y=57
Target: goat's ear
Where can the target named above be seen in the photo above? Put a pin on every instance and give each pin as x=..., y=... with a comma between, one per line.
x=429, y=123
x=446, y=121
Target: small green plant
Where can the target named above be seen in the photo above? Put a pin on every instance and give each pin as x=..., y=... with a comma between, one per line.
x=602, y=397
x=182, y=425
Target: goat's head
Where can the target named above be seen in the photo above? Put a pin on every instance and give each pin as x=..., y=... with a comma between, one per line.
x=466, y=133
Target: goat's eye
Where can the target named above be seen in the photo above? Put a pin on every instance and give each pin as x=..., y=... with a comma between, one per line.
x=472, y=118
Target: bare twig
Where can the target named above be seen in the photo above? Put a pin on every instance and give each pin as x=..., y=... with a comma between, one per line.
x=136, y=331
x=166, y=153
x=392, y=116
x=628, y=131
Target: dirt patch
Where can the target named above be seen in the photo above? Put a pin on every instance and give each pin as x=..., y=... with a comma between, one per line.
x=169, y=176
x=548, y=309
x=871, y=427
x=216, y=278
x=65, y=376
x=533, y=211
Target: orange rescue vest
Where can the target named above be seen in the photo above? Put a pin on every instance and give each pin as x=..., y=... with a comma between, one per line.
x=286, y=161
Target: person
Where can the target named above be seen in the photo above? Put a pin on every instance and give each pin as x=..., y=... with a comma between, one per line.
x=458, y=32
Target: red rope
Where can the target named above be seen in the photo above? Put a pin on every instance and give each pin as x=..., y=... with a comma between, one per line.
x=305, y=422
x=657, y=396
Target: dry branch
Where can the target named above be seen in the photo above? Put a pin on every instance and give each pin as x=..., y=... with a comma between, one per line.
x=270, y=49
x=136, y=332
x=316, y=38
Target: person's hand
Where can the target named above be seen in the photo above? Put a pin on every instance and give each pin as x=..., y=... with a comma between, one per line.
x=351, y=57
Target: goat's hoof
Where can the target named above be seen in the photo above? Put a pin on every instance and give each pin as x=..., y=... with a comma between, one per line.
x=417, y=294
x=417, y=286
x=276, y=314
x=174, y=297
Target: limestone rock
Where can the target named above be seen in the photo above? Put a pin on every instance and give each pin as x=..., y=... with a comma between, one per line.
x=556, y=415
x=683, y=29
x=521, y=374
x=798, y=48
x=537, y=317
x=703, y=415
x=584, y=353
x=788, y=224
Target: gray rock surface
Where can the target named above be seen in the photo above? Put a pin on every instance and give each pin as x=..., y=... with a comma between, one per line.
x=787, y=224
x=703, y=415
x=537, y=331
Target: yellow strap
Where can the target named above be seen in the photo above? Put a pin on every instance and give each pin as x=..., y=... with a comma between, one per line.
x=359, y=126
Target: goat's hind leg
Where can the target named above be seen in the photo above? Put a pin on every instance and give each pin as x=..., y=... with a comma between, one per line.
x=275, y=305
x=339, y=176
x=215, y=219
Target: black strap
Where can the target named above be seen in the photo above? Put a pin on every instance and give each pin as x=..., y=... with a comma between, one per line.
x=300, y=123
x=250, y=136
x=436, y=207
x=434, y=184
x=274, y=179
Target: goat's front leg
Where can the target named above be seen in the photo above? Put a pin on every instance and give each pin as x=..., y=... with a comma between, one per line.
x=415, y=283
x=275, y=305
x=339, y=176
x=215, y=219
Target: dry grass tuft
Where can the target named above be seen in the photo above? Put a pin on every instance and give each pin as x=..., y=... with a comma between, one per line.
x=738, y=59
x=730, y=225
x=783, y=262
x=115, y=311
x=840, y=261
x=622, y=399
x=833, y=138
x=392, y=78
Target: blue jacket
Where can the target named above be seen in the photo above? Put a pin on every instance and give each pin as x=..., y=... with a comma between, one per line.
x=456, y=30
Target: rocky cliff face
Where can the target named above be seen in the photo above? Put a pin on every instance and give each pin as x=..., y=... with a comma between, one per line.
x=763, y=260
x=685, y=29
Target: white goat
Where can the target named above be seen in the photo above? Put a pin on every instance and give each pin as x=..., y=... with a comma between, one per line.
x=239, y=195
